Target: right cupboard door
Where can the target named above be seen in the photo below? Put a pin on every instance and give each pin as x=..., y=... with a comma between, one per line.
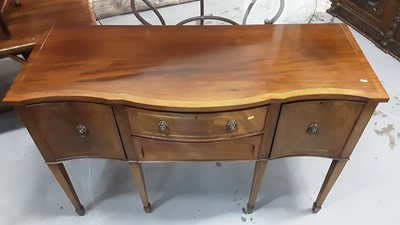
x=314, y=128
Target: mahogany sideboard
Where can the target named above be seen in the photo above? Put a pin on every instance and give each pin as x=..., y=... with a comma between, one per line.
x=188, y=93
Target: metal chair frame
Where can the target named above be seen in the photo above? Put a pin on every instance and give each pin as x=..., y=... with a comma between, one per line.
x=202, y=17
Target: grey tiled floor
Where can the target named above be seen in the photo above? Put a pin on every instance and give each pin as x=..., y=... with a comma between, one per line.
x=367, y=192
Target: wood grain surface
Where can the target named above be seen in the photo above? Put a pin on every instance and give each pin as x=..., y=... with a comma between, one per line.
x=189, y=68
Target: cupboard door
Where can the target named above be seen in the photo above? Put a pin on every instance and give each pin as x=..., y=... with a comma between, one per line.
x=314, y=128
x=74, y=130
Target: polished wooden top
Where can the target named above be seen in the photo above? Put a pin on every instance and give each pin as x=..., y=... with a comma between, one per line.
x=197, y=67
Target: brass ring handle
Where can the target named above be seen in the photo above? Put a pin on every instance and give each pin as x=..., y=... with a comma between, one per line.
x=82, y=130
x=231, y=126
x=313, y=128
x=163, y=127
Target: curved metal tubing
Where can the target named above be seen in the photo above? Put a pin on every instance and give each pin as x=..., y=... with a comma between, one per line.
x=207, y=18
x=202, y=17
x=277, y=15
x=248, y=11
x=140, y=18
x=266, y=21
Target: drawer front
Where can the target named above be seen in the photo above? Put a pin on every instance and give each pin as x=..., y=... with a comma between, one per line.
x=316, y=128
x=237, y=149
x=78, y=129
x=197, y=126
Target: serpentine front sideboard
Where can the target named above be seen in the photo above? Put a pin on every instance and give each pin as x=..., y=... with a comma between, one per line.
x=187, y=93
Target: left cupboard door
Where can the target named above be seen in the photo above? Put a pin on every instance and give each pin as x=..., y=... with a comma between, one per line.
x=77, y=129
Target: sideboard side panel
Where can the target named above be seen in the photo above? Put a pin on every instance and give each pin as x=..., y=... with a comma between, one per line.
x=35, y=133
x=358, y=129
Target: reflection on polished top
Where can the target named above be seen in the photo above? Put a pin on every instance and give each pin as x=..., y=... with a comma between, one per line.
x=196, y=67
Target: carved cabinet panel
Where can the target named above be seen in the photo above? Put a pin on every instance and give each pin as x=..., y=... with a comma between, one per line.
x=394, y=37
x=378, y=20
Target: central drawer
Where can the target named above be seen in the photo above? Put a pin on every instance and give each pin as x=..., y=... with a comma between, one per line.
x=189, y=126
x=237, y=149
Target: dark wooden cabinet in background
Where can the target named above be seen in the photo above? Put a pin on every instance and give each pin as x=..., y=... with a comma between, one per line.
x=378, y=20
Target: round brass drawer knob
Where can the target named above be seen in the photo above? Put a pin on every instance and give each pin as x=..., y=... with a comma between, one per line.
x=313, y=128
x=231, y=126
x=82, y=130
x=163, y=127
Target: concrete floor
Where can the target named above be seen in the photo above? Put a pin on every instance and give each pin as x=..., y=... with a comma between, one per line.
x=367, y=192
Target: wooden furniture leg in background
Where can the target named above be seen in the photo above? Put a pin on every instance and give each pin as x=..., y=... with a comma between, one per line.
x=3, y=24
x=258, y=175
x=61, y=175
x=333, y=173
x=137, y=175
x=4, y=27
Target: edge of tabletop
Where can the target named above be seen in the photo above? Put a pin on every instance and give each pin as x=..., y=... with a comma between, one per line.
x=25, y=70
x=384, y=97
